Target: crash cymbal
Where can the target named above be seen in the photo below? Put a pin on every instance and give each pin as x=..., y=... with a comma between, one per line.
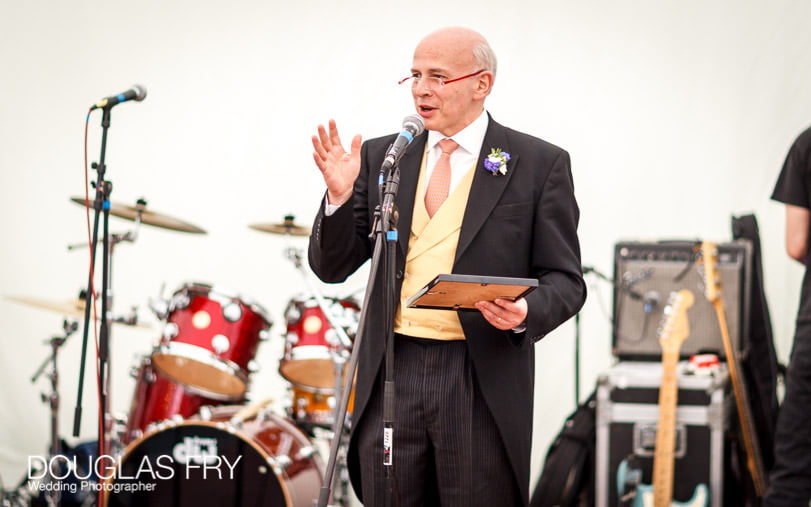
x=147, y=217
x=69, y=308
x=287, y=227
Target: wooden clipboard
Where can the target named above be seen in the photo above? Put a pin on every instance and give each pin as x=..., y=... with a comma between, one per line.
x=461, y=292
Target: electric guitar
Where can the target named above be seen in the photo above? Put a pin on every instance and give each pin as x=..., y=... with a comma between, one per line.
x=673, y=330
x=712, y=289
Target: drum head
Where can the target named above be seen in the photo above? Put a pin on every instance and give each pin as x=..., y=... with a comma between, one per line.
x=199, y=371
x=208, y=463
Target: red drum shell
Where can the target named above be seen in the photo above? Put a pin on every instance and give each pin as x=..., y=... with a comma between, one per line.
x=210, y=340
x=157, y=398
x=311, y=344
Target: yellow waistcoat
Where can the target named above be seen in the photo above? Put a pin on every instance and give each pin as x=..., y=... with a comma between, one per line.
x=431, y=251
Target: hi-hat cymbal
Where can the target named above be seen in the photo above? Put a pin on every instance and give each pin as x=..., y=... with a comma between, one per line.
x=69, y=308
x=147, y=217
x=287, y=227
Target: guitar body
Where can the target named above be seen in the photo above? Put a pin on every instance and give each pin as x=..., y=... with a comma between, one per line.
x=644, y=497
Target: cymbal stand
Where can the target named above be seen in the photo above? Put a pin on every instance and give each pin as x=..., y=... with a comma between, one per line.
x=340, y=357
x=52, y=495
x=294, y=254
x=339, y=360
x=128, y=237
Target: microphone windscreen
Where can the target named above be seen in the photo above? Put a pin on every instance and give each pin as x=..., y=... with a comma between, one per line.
x=413, y=123
x=140, y=92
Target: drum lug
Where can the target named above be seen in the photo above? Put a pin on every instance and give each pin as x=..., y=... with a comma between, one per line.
x=331, y=337
x=160, y=308
x=293, y=314
x=292, y=338
x=281, y=462
x=253, y=366
x=205, y=413
x=170, y=330
x=220, y=343
x=264, y=335
x=307, y=451
x=179, y=301
x=232, y=312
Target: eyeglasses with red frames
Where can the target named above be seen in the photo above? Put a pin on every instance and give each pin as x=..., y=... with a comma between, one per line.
x=434, y=82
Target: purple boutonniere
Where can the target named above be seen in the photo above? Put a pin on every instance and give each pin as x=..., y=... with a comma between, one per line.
x=496, y=161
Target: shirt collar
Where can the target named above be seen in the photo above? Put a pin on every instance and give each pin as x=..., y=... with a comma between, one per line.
x=469, y=138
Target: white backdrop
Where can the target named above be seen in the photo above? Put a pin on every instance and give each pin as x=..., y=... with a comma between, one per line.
x=677, y=115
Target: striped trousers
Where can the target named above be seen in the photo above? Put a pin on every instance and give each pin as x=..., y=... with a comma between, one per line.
x=446, y=448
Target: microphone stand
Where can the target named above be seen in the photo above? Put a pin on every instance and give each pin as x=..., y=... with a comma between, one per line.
x=388, y=229
x=384, y=232
x=101, y=207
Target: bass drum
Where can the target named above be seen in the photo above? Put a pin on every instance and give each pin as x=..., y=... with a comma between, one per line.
x=230, y=457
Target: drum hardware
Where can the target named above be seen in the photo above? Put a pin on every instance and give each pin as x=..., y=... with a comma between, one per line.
x=159, y=307
x=341, y=494
x=52, y=495
x=295, y=256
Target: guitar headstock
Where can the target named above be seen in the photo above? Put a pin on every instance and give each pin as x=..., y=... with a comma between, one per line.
x=711, y=278
x=675, y=328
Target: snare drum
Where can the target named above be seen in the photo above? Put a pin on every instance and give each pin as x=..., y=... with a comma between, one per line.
x=219, y=460
x=210, y=340
x=156, y=399
x=311, y=343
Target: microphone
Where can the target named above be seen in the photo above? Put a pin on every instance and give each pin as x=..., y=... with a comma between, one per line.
x=412, y=127
x=137, y=93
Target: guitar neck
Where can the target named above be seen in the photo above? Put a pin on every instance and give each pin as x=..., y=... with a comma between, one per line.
x=754, y=460
x=663, y=456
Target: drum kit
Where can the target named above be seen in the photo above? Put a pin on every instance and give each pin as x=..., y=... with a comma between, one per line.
x=191, y=413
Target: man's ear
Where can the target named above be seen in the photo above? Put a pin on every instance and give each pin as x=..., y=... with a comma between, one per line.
x=484, y=84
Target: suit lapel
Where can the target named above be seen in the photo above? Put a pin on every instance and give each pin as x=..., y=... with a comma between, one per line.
x=409, y=177
x=486, y=189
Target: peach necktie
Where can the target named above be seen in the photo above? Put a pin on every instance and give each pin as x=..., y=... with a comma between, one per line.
x=440, y=182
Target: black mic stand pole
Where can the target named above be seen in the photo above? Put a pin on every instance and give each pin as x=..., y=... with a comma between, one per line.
x=101, y=207
x=384, y=253
x=389, y=218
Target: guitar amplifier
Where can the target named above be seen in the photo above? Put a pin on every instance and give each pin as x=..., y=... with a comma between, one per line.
x=646, y=273
x=627, y=419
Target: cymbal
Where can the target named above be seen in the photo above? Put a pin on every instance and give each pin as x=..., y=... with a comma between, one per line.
x=147, y=217
x=287, y=227
x=70, y=308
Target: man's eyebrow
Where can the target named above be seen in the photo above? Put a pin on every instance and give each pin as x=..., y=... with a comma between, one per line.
x=430, y=71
